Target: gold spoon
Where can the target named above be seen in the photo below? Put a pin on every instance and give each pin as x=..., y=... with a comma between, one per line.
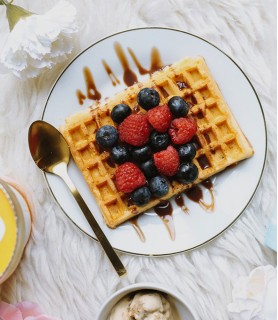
x=51, y=154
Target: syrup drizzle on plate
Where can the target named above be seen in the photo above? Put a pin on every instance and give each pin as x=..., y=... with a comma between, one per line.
x=156, y=62
x=165, y=211
x=180, y=203
x=196, y=194
x=92, y=92
x=137, y=228
x=141, y=69
x=110, y=73
x=80, y=96
x=209, y=185
x=129, y=76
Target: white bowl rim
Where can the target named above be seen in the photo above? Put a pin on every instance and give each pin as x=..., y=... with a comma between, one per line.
x=144, y=286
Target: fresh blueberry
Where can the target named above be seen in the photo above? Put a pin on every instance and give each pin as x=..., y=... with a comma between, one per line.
x=178, y=106
x=187, y=152
x=149, y=169
x=159, y=141
x=187, y=173
x=141, y=196
x=107, y=136
x=148, y=98
x=120, y=154
x=159, y=186
x=142, y=154
x=120, y=112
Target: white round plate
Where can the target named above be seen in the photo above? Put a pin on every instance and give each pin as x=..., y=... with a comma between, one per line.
x=234, y=188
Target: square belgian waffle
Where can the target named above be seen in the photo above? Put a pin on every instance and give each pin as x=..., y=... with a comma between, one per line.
x=219, y=138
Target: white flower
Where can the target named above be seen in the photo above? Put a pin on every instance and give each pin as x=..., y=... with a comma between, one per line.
x=38, y=42
x=255, y=296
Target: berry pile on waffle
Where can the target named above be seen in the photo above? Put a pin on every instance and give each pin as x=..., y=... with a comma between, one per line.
x=155, y=139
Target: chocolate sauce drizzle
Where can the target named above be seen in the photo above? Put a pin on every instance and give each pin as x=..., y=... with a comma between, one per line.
x=137, y=228
x=196, y=194
x=92, y=92
x=203, y=162
x=180, y=203
x=129, y=76
x=209, y=186
x=156, y=62
x=196, y=142
x=80, y=96
x=141, y=70
x=165, y=210
x=110, y=73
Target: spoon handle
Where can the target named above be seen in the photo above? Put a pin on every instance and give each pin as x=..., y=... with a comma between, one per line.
x=110, y=252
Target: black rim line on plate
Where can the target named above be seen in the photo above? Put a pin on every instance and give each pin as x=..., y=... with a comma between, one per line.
x=260, y=178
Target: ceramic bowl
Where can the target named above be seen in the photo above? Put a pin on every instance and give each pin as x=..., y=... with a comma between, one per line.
x=183, y=309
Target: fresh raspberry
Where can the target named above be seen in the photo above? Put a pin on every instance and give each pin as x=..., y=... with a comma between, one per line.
x=167, y=161
x=135, y=130
x=129, y=177
x=160, y=118
x=182, y=130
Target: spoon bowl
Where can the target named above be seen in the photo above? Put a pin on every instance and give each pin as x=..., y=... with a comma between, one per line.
x=51, y=154
x=47, y=146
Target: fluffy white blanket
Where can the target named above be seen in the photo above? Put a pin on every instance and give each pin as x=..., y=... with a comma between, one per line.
x=63, y=270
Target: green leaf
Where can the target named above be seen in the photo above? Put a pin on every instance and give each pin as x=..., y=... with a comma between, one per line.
x=15, y=13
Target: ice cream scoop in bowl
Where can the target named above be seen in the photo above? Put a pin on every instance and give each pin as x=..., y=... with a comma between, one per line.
x=145, y=301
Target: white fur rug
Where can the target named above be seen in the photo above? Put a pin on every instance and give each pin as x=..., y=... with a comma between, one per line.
x=64, y=271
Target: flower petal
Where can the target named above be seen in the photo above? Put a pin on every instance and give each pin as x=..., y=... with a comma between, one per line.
x=9, y=312
x=28, y=308
x=42, y=317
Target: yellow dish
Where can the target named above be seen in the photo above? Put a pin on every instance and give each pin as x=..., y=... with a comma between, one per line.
x=8, y=231
x=15, y=227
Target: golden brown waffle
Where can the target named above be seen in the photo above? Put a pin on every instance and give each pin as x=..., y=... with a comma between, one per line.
x=220, y=140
